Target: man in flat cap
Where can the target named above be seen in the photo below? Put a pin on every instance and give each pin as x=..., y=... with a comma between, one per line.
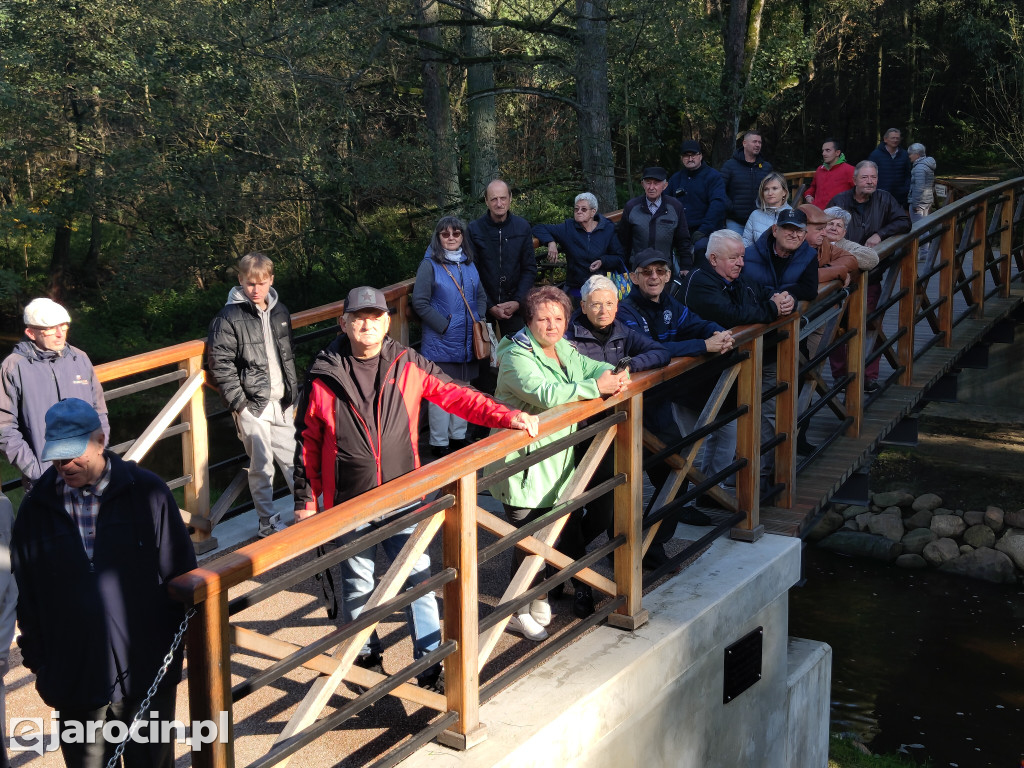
x=42, y=369
x=655, y=220
x=95, y=543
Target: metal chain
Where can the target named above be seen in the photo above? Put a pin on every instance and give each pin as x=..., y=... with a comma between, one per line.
x=144, y=706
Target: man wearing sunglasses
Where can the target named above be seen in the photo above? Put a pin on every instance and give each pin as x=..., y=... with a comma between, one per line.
x=42, y=370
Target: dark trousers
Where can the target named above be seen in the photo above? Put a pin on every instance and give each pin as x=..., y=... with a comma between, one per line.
x=519, y=518
x=136, y=755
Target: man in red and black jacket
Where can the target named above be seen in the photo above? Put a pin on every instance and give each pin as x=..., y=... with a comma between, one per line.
x=357, y=428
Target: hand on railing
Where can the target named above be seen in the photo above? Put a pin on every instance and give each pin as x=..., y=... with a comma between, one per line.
x=552, y=252
x=719, y=341
x=307, y=510
x=609, y=383
x=784, y=302
x=527, y=422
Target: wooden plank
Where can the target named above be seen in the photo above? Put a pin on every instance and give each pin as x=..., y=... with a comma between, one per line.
x=163, y=419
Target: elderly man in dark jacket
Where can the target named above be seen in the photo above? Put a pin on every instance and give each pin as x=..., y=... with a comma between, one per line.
x=893, y=164
x=701, y=190
x=95, y=544
x=505, y=258
x=781, y=259
x=874, y=216
x=656, y=220
x=732, y=298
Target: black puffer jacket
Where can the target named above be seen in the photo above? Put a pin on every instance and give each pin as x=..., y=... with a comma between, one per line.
x=236, y=355
x=741, y=182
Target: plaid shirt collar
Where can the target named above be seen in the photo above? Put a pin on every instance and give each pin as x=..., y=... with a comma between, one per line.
x=83, y=505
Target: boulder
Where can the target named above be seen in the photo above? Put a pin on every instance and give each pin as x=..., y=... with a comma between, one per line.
x=893, y=499
x=829, y=523
x=985, y=564
x=940, y=551
x=993, y=518
x=853, y=510
x=851, y=525
x=915, y=541
x=911, y=562
x=1014, y=519
x=965, y=548
x=927, y=501
x=863, y=520
x=947, y=526
x=887, y=524
x=973, y=517
x=922, y=519
x=979, y=535
x=1011, y=544
x=863, y=545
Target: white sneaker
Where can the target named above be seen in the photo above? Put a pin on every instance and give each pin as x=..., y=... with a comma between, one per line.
x=272, y=526
x=540, y=610
x=525, y=625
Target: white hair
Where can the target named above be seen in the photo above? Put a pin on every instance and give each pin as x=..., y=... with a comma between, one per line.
x=917, y=149
x=865, y=164
x=597, y=283
x=835, y=212
x=718, y=238
x=587, y=198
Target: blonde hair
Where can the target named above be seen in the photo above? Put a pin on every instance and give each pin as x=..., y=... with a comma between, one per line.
x=255, y=265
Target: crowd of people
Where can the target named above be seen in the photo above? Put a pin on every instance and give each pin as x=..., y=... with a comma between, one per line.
x=698, y=253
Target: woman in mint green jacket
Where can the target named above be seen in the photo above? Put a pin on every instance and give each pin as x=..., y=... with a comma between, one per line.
x=537, y=370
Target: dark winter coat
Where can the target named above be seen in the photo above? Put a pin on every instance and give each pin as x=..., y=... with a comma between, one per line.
x=97, y=632
x=236, y=353
x=583, y=248
x=622, y=341
x=666, y=231
x=799, y=277
x=893, y=171
x=741, y=182
x=702, y=193
x=504, y=257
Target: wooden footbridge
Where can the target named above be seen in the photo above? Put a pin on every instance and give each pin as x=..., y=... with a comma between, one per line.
x=934, y=316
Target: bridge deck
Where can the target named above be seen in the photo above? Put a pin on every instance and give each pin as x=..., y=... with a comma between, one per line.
x=827, y=473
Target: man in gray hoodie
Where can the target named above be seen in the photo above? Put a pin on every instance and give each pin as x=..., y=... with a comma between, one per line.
x=42, y=370
x=250, y=358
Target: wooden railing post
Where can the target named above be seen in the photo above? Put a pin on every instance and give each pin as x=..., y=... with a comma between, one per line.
x=979, y=259
x=906, y=309
x=787, y=369
x=628, y=500
x=209, y=679
x=461, y=619
x=748, y=442
x=947, y=256
x=195, y=459
x=1006, y=242
x=399, y=330
x=856, y=321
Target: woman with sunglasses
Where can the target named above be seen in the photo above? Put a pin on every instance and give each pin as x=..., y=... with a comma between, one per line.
x=446, y=281
x=589, y=242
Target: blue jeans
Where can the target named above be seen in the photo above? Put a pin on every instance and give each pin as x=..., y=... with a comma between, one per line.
x=357, y=580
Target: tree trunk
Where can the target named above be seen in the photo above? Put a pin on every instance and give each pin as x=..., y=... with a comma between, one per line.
x=91, y=266
x=60, y=261
x=444, y=157
x=483, y=151
x=742, y=40
x=592, y=94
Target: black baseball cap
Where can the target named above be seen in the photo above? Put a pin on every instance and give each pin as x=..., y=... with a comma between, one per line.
x=365, y=297
x=793, y=218
x=655, y=172
x=648, y=256
x=690, y=145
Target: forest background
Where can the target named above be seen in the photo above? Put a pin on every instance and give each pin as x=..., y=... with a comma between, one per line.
x=145, y=146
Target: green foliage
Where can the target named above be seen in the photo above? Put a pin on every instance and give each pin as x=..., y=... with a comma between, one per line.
x=842, y=753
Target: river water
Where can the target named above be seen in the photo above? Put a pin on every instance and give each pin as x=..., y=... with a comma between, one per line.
x=923, y=663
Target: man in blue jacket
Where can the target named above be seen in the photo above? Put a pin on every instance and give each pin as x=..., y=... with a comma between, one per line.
x=701, y=190
x=893, y=164
x=95, y=544
x=780, y=259
x=651, y=310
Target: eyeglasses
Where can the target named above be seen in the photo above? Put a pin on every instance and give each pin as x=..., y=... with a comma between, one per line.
x=52, y=330
x=583, y=209
x=448, y=233
x=652, y=271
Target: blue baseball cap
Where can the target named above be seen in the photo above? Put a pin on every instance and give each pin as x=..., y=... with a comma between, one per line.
x=69, y=424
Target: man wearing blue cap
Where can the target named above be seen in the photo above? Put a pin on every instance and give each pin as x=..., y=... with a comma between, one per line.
x=95, y=543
